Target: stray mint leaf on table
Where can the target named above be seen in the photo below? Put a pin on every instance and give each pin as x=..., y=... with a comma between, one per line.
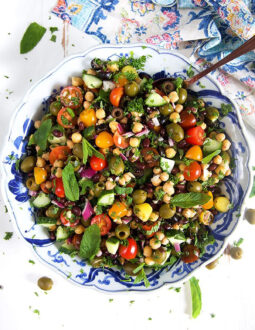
x=196, y=297
x=8, y=235
x=31, y=37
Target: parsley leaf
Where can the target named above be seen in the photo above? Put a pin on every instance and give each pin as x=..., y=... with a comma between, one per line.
x=225, y=109
x=8, y=235
x=53, y=29
x=159, y=194
x=190, y=72
x=135, y=105
x=178, y=83
x=70, y=183
x=123, y=190
x=90, y=242
x=41, y=135
x=196, y=297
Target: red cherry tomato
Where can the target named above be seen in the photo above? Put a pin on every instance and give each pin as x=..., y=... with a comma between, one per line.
x=71, y=97
x=190, y=254
x=104, y=223
x=192, y=172
x=59, y=153
x=66, y=118
x=116, y=95
x=195, y=135
x=97, y=163
x=120, y=141
x=148, y=228
x=129, y=251
x=188, y=120
x=68, y=219
x=58, y=187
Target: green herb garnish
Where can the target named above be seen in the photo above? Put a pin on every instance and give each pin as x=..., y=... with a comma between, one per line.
x=190, y=72
x=225, y=109
x=31, y=37
x=196, y=297
x=8, y=235
x=90, y=242
x=239, y=242
x=40, y=137
x=89, y=150
x=189, y=199
x=208, y=158
x=85, y=184
x=71, y=186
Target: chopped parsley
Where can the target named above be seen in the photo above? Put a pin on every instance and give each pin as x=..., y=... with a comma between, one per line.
x=159, y=194
x=135, y=105
x=53, y=38
x=190, y=72
x=5, y=209
x=111, y=300
x=36, y=311
x=31, y=261
x=178, y=83
x=36, y=293
x=201, y=85
x=8, y=235
x=53, y=29
x=239, y=242
x=225, y=109
x=212, y=315
x=131, y=301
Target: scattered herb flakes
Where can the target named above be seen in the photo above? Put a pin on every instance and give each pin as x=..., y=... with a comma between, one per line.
x=36, y=293
x=49, y=17
x=53, y=38
x=212, y=315
x=53, y=29
x=149, y=318
x=190, y=72
x=252, y=194
x=131, y=301
x=45, y=292
x=144, y=47
x=8, y=235
x=36, y=311
x=7, y=77
x=225, y=109
x=111, y=300
x=239, y=242
x=9, y=33
x=177, y=289
x=73, y=45
x=31, y=261
x=31, y=37
x=70, y=275
x=201, y=85
x=30, y=80
x=5, y=209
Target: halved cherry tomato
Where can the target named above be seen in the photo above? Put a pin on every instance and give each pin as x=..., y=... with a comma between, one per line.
x=104, y=140
x=104, y=223
x=61, y=153
x=88, y=117
x=192, y=172
x=188, y=120
x=151, y=156
x=71, y=97
x=195, y=135
x=66, y=118
x=129, y=251
x=43, y=187
x=97, y=164
x=116, y=95
x=194, y=153
x=118, y=210
x=120, y=141
x=68, y=219
x=58, y=187
x=122, y=81
x=209, y=204
x=148, y=228
x=190, y=253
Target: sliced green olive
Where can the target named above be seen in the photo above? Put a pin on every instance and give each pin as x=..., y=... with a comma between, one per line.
x=74, y=160
x=195, y=186
x=159, y=256
x=166, y=211
x=53, y=212
x=139, y=196
x=122, y=231
x=98, y=188
x=45, y=283
x=250, y=216
x=236, y=252
x=55, y=107
x=183, y=94
x=130, y=267
x=166, y=109
x=116, y=165
x=31, y=185
x=131, y=89
x=167, y=87
x=27, y=165
x=212, y=113
x=77, y=150
x=175, y=132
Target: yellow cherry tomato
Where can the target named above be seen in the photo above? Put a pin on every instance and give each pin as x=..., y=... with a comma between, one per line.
x=222, y=204
x=104, y=140
x=88, y=117
x=118, y=210
x=40, y=175
x=194, y=153
x=143, y=211
x=209, y=204
x=206, y=217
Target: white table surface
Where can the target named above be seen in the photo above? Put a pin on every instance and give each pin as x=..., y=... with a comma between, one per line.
x=228, y=291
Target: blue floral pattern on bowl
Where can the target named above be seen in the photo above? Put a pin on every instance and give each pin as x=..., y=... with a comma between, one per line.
x=16, y=195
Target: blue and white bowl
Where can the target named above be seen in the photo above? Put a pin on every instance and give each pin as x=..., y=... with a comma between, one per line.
x=161, y=63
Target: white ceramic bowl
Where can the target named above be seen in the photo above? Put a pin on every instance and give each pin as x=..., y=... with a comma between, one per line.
x=162, y=63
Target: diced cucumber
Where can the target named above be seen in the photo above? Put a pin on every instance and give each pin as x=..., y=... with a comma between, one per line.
x=41, y=200
x=166, y=164
x=46, y=222
x=155, y=100
x=175, y=236
x=56, y=140
x=62, y=233
x=106, y=198
x=67, y=248
x=210, y=146
x=167, y=256
x=112, y=245
x=92, y=81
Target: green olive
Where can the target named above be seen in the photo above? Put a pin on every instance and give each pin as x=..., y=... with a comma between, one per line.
x=194, y=186
x=159, y=256
x=212, y=264
x=122, y=231
x=130, y=267
x=166, y=211
x=166, y=109
x=175, y=132
x=77, y=150
x=167, y=87
x=236, y=252
x=97, y=262
x=225, y=157
x=250, y=216
x=31, y=185
x=45, y=283
x=212, y=113
x=74, y=160
x=27, y=165
x=182, y=95
x=98, y=188
x=53, y=212
x=55, y=107
x=116, y=165
x=131, y=89
x=139, y=196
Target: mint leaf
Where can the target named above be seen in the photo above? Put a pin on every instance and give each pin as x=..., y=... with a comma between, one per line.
x=196, y=297
x=189, y=199
x=89, y=150
x=208, y=158
x=85, y=184
x=31, y=37
x=70, y=183
x=40, y=137
x=123, y=190
x=90, y=242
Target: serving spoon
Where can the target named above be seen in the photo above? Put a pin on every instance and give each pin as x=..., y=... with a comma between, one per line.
x=248, y=46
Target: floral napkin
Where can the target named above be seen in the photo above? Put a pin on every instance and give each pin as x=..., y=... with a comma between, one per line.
x=204, y=30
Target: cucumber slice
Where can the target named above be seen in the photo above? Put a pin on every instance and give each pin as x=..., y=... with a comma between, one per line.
x=106, y=198
x=92, y=81
x=41, y=200
x=46, y=222
x=166, y=164
x=155, y=100
x=62, y=233
x=56, y=140
x=67, y=248
x=210, y=146
x=112, y=245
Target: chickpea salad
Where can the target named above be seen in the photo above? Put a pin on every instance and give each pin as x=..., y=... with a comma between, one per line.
x=124, y=170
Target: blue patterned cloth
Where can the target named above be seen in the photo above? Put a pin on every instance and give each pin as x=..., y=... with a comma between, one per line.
x=204, y=30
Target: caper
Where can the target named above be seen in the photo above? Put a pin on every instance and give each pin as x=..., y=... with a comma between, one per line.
x=250, y=216
x=139, y=196
x=31, y=185
x=28, y=164
x=97, y=262
x=98, y=188
x=236, y=252
x=131, y=89
x=175, y=132
x=130, y=267
x=53, y=212
x=77, y=150
x=194, y=186
x=166, y=109
x=116, y=165
x=212, y=264
x=45, y=283
x=212, y=113
x=166, y=211
x=55, y=107
x=122, y=231
x=159, y=256
x=182, y=95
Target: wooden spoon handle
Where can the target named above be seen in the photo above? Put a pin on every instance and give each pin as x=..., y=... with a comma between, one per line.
x=245, y=48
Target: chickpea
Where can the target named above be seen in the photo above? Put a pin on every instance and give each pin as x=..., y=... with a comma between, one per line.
x=89, y=96
x=137, y=128
x=165, y=241
x=182, y=167
x=69, y=143
x=217, y=160
x=37, y=124
x=58, y=163
x=77, y=81
x=168, y=188
x=113, y=126
x=160, y=235
x=155, y=243
x=116, y=151
x=129, y=212
x=58, y=173
x=76, y=137
x=170, y=152
x=228, y=172
x=127, y=177
x=113, y=67
x=157, y=170
x=220, y=137
x=154, y=216
x=133, y=224
x=86, y=105
x=203, y=126
x=124, y=120
x=156, y=181
x=178, y=108
x=147, y=251
x=188, y=213
x=48, y=184
x=166, y=199
x=226, y=145
x=166, y=98
x=173, y=96
x=164, y=176
x=174, y=117
x=100, y=121
x=122, y=181
x=100, y=113
x=46, y=156
x=180, y=176
x=149, y=261
x=40, y=162
x=109, y=185
x=134, y=142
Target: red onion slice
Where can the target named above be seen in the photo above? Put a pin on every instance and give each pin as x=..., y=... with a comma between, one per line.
x=59, y=204
x=143, y=132
x=177, y=247
x=87, y=173
x=87, y=211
